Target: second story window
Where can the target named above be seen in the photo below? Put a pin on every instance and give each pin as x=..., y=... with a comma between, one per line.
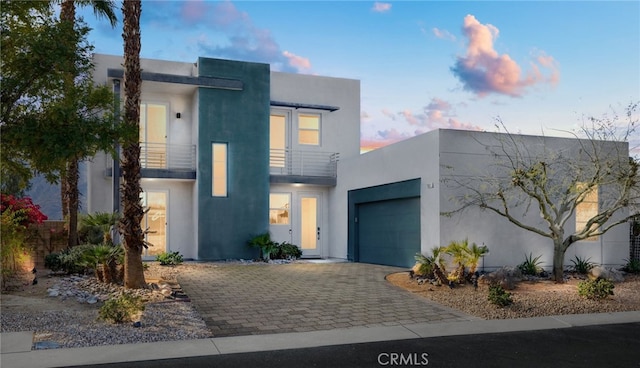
x=309, y=129
x=153, y=135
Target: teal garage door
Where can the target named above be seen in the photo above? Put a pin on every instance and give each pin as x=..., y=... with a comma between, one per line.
x=388, y=231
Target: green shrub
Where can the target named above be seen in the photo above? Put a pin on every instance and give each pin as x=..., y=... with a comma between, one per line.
x=53, y=262
x=169, y=258
x=632, y=266
x=595, y=289
x=531, y=266
x=121, y=309
x=286, y=250
x=498, y=296
x=581, y=265
x=427, y=265
x=266, y=245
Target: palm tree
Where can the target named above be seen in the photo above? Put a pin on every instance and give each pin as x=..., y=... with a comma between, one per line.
x=130, y=223
x=439, y=269
x=475, y=253
x=459, y=251
x=103, y=221
x=69, y=175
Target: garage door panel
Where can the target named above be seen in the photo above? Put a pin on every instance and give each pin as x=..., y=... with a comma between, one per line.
x=389, y=231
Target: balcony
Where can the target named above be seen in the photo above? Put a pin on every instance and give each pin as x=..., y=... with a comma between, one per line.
x=305, y=167
x=159, y=160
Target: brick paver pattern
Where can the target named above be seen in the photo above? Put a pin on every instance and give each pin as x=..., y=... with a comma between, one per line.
x=249, y=299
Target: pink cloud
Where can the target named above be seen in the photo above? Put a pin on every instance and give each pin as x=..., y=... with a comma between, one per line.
x=381, y=7
x=411, y=118
x=241, y=40
x=443, y=34
x=388, y=114
x=193, y=11
x=483, y=70
x=303, y=64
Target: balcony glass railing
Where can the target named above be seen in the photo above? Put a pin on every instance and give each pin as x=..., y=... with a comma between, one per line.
x=303, y=163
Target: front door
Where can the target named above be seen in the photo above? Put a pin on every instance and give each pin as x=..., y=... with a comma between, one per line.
x=154, y=222
x=309, y=234
x=296, y=218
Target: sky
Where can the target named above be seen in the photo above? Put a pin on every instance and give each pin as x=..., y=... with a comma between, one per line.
x=540, y=67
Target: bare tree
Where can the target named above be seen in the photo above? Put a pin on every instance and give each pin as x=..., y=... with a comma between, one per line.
x=593, y=179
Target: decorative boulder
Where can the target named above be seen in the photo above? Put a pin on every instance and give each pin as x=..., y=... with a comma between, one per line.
x=599, y=272
x=507, y=277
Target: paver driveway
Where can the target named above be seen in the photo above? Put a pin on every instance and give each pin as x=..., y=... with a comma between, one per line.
x=246, y=299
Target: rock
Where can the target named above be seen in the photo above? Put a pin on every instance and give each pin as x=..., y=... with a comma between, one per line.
x=507, y=277
x=599, y=272
x=53, y=292
x=92, y=299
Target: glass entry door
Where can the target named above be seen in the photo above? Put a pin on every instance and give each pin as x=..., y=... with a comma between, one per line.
x=155, y=221
x=310, y=226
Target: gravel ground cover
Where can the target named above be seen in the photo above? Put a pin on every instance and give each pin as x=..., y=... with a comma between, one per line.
x=67, y=320
x=530, y=299
x=64, y=322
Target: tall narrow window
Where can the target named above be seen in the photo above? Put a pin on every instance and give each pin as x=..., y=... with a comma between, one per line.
x=219, y=169
x=309, y=129
x=278, y=140
x=587, y=209
x=153, y=135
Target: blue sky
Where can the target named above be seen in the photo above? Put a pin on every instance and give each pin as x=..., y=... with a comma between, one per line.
x=539, y=66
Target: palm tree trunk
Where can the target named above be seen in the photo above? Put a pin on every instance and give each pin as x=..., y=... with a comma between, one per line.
x=69, y=179
x=73, y=200
x=131, y=189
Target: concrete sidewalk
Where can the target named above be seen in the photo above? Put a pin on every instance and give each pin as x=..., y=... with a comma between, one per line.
x=16, y=347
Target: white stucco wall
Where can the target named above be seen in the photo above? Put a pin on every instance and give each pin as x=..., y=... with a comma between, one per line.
x=340, y=129
x=463, y=154
x=413, y=158
x=432, y=157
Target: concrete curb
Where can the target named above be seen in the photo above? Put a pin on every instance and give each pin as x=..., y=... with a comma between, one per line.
x=15, y=353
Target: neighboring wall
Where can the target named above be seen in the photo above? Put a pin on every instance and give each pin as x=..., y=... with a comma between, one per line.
x=462, y=155
x=434, y=157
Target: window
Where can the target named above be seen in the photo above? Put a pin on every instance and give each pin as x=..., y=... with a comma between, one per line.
x=309, y=129
x=279, y=208
x=278, y=140
x=153, y=135
x=587, y=209
x=219, y=169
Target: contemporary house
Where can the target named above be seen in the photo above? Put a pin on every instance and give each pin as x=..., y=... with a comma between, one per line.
x=231, y=149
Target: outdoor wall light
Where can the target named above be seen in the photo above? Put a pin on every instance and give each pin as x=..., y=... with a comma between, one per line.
x=178, y=115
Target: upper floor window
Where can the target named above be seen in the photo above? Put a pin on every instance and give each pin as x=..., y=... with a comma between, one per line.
x=309, y=129
x=587, y=209
x=278, y=139
x=153, y=123
x=219, y=169
x=153, y=135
